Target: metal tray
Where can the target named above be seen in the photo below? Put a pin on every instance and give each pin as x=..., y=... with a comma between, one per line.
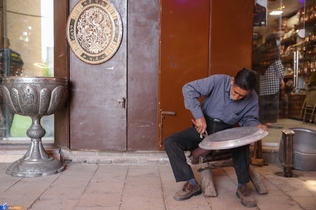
x=231, y=138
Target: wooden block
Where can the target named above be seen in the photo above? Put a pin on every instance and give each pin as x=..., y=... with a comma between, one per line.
x=207, y=183
x=215, y=164
x=257, y=182
x=259, y=149
x=257, y=162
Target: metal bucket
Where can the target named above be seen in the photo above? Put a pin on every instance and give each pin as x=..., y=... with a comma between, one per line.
x=304, y=146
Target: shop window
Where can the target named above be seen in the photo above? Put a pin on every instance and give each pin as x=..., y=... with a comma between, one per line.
x=27, y=49
x=291, y=26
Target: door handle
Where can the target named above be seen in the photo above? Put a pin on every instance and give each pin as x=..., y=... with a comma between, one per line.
x=162, y=116
x=167, y=113
x=121, y=101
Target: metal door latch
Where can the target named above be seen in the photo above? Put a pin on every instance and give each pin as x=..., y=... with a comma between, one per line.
x=121, y=102
x=163, y=113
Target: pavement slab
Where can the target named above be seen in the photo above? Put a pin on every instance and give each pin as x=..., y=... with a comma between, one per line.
x=150, y=187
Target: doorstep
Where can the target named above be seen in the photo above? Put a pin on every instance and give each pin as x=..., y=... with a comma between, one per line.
x=13, y=152
x=119, y=158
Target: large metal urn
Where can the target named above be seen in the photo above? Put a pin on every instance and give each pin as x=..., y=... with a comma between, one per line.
x=34, y=97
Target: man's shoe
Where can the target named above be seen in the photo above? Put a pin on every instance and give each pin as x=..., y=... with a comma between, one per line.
x=188, y=190
x=245, y=196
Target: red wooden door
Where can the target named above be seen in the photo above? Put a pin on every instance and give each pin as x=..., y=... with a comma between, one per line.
x=184, y=44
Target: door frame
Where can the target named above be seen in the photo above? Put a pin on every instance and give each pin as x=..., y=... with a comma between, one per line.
x=61, y=69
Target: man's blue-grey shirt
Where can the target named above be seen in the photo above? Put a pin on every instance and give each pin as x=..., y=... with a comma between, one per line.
x=217, y=103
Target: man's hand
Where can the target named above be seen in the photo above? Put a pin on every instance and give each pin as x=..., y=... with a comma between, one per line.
x=263, y=127
x=200, y=125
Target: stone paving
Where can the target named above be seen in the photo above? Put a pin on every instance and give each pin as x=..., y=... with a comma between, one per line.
x=149, y=187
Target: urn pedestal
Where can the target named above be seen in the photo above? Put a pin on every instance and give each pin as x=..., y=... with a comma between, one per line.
x=34, y=97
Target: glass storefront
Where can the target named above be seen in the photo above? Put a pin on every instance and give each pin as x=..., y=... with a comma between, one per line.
x=27, y=49
x=284, y=54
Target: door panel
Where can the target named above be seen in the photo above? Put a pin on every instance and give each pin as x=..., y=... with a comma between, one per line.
x=98, y=94
x=183, y=58
x=230, y=36
x=61, y=66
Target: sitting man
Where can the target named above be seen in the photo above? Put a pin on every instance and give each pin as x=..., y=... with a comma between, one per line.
x=227, y=101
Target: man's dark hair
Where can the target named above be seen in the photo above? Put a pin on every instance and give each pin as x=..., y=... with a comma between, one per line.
x=246, y=79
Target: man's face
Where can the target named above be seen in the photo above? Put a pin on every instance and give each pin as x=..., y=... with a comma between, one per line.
x=236, y=93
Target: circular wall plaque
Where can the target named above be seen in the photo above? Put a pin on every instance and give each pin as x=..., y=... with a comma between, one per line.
x=94, y=30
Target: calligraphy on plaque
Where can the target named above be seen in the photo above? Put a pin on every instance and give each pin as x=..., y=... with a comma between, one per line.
x=94, y=30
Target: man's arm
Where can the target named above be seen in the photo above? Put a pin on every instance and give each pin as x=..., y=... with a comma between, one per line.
x=251, y=113
x=191, y=95
x=192, y=91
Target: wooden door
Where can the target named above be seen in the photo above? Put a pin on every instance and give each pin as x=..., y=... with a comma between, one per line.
x=184, y=44
x=98, y=98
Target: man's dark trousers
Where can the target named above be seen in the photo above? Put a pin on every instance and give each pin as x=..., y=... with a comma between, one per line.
x=189, y=139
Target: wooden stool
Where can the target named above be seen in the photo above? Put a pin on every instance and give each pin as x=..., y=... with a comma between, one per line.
x=257, y=154
x=207, y=163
